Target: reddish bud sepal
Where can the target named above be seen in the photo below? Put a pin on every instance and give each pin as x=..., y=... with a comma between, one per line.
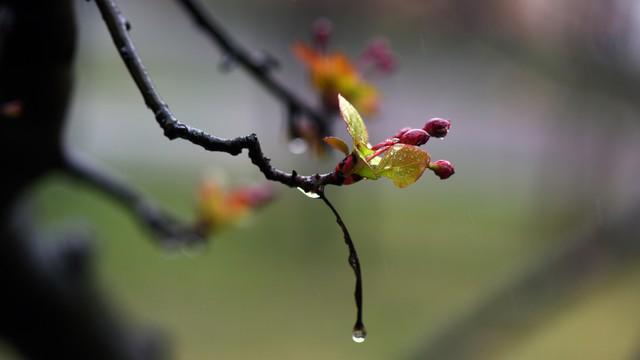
x=437, y=127
x=442, y=168
x=347, y=164
x=352, y=179
x=385, y=144
x=345, y=169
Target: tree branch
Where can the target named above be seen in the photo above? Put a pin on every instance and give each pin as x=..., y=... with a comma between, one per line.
x=168, y=230
x=173, y=128
x=256, y=69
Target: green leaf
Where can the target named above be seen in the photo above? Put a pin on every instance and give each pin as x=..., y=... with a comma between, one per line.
x=364, y=169
x=337, y=143
x=403, y=164
x=355, y=126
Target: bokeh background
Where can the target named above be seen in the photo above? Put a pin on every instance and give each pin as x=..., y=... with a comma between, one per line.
x=530, y=251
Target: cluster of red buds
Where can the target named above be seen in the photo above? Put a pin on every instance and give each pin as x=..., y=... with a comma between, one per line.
x=436, y=127
x=333, y=72
x=377, y=54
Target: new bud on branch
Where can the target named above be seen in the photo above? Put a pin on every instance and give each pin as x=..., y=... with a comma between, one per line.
x=442, y=168
x=219, y=207
x=415, y=137
x=333, y=72
x=398, y=158
x=437, y=127
x=321, y=33
x=401, y=132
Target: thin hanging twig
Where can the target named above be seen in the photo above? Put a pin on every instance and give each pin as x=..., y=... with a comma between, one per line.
x=354, y=262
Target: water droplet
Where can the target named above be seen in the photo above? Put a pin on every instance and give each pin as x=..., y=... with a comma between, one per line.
x=310, y=194
x=298, y=146
x=359, y=335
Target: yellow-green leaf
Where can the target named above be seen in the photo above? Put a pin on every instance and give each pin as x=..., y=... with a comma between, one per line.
x=364, y=169
x=337, y=143
x=403, y=164
x=355, y=126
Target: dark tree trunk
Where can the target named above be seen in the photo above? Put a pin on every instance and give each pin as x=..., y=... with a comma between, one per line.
x=49, y=308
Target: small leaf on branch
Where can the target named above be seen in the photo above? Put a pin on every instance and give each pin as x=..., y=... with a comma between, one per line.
x=403, y=164
x=355, y=126
x=337, y=143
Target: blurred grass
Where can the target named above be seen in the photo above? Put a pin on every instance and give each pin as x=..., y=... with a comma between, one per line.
x=600, y=323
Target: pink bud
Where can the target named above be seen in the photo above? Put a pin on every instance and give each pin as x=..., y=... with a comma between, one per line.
x=402, y=131
x=260, y=195
x=437, y=127
x=321, y=31
x=379, y=53
x=415, y=137
x=443, y=168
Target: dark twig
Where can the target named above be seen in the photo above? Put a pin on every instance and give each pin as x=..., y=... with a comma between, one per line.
x=168, y=230
x=173, y=128
x=255, y=67
x=354, y=262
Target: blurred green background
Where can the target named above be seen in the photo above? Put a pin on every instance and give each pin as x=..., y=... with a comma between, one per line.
x=545, y=148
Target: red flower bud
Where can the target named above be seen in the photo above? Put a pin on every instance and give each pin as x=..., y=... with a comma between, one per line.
x=415, y=137
x=259, y=195
x=402, y=131
x=443, y=168
x=437, y=127
x=380, y=55
x=321, y=32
